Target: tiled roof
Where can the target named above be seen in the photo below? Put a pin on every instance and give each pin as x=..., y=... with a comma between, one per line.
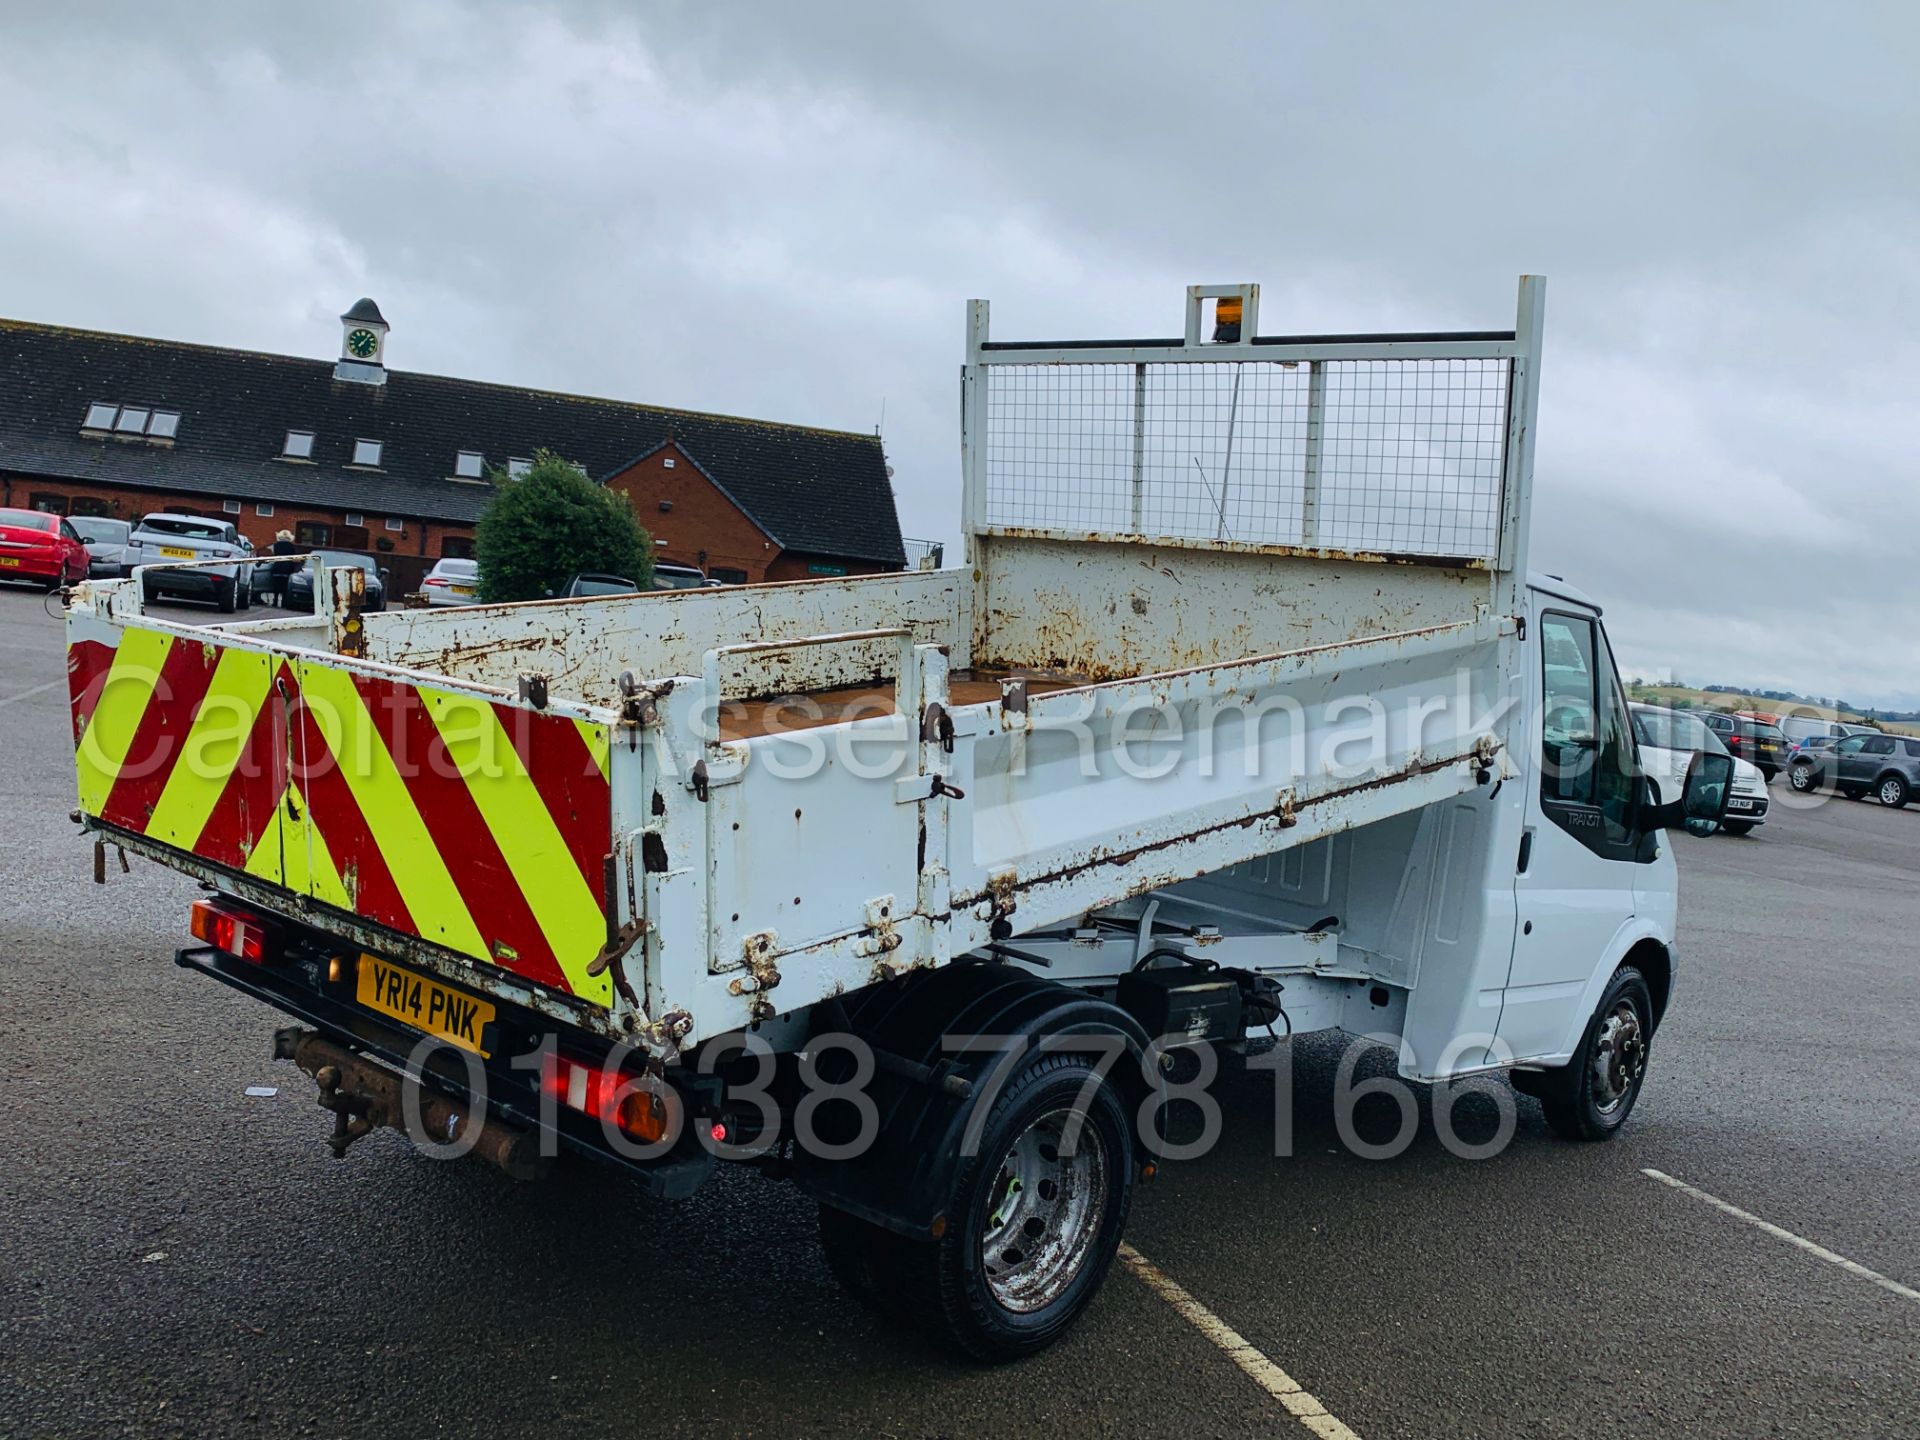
x=821, y=492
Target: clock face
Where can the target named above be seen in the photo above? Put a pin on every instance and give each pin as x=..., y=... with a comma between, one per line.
x=362, y=343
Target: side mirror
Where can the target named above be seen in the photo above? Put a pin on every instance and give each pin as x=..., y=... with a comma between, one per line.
x=1703, y=796
x=386, y=572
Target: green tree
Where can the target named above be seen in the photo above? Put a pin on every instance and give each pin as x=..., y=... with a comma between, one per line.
x=551, y=523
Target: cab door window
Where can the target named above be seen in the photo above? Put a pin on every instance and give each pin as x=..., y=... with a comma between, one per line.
x=1589, y=785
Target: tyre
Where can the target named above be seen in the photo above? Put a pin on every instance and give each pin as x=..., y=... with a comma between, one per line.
x=1892, y=791
x=244, y=596
x=1034, y=1221
x=1801, y=777
x=1737, y=827
x=1592, y=1095
x=224, y=596
x=1852, y=792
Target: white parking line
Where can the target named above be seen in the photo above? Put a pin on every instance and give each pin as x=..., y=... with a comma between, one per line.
x=1262, y=1371
x=1852, y=1267
x=36, y=690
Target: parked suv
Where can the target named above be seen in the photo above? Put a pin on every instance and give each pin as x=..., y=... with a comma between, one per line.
x=160, y=538
x=1888, y=766
x=1755, y=741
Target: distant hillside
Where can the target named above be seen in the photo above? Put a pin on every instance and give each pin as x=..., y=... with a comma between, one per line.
x=1686, y=697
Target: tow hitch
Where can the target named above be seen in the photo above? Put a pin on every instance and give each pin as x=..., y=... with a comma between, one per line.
x=364, y=1096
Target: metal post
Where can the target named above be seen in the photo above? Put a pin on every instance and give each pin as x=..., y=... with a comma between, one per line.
x=1310, y=477
x=1226, y=469
x=1139, y=449
x=1523, y=398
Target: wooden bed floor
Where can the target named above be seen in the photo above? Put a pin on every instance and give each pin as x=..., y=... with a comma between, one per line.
x=747, y=719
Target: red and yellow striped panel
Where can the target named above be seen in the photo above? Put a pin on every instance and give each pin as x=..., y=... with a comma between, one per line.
x=475, y=825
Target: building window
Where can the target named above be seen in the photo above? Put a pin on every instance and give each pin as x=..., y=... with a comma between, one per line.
x=366, y=452
x=456, y=547
x=313, y=532
x=393, y=524
x=90, y=505
x=164, y=425
x=355, y=519
x=264, y=511
x=468, y=464
x=299, y=445
x=230, y=507
x=667, y=463
x=132, y=421
x=518, y=466
x=100, y=416
x=47, y=502
x=726, y=576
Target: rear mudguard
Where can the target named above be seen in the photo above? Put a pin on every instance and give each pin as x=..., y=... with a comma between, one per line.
x=904, y=1179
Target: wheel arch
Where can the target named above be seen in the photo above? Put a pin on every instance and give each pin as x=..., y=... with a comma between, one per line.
x=904, y=1180
x=1655, y=961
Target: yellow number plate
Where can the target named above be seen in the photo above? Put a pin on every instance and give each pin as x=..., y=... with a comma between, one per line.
x=453, y=1015
x=175, y=552
x=461, y=589
x=9, y=562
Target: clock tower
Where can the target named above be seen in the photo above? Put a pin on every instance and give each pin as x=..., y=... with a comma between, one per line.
x=363, y=345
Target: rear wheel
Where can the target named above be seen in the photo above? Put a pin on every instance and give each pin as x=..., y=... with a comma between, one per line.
x=1036, y=1216
x=1591, y=1096
x=1892, y=791
x=224, y=595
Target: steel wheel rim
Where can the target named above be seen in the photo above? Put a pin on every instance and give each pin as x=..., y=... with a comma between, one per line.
x=1619, y=1057
x=1044, y=1211
x=1889, y=791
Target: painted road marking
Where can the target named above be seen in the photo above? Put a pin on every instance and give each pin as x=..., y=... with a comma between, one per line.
x=1262, y=1371
x=36, y=690
x=1852, y=1267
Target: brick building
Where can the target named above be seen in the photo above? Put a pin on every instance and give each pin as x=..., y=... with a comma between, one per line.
x=350, y=454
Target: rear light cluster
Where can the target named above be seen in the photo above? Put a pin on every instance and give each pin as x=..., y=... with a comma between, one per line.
x=239, y=932
x=628, y=1101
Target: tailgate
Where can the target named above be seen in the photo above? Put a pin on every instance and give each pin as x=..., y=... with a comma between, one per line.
x=442, y=813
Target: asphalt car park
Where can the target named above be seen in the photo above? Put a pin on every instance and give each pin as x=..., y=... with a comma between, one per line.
x=183, y=1257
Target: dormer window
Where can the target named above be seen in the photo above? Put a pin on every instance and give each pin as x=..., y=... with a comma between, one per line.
x=518, y=466
x=468, y=464
x=367, y=452
x=100, y=416
x=299, y=445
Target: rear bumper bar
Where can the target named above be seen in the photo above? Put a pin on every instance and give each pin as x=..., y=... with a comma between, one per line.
x=509, y=1095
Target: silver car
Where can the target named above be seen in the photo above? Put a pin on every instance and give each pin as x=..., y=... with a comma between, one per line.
x=158, y=539
x=106, y=542
x=452, y=582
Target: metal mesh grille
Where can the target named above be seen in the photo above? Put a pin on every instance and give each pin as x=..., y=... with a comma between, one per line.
x=1397, y=456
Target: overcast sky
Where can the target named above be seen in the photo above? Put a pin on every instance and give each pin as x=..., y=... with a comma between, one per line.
x=780, y=209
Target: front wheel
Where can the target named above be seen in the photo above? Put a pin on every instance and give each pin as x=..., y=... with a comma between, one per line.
x=1591, y=1096
x=1801, y=776
x=1892, y=791
x=1036, y=1216
x=1737, y=827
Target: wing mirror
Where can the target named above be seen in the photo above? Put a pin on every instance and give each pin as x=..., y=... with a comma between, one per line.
x=1703, y=796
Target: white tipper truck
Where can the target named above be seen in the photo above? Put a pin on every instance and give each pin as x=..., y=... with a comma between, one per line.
x=1243, y=712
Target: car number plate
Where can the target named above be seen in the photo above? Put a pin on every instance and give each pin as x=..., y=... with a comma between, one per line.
x=453, y=1015
x=461, y=589
x=9, y=562
x=1737, y=803
x=175, y=552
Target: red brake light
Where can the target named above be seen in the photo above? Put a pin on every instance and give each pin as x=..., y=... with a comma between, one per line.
x=436, y=580
x=615, y=1097
x=228, y=928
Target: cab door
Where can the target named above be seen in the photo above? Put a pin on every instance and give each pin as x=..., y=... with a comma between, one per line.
x=1574, y=886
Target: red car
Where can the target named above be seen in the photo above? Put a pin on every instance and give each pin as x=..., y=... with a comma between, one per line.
x=37, y=546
